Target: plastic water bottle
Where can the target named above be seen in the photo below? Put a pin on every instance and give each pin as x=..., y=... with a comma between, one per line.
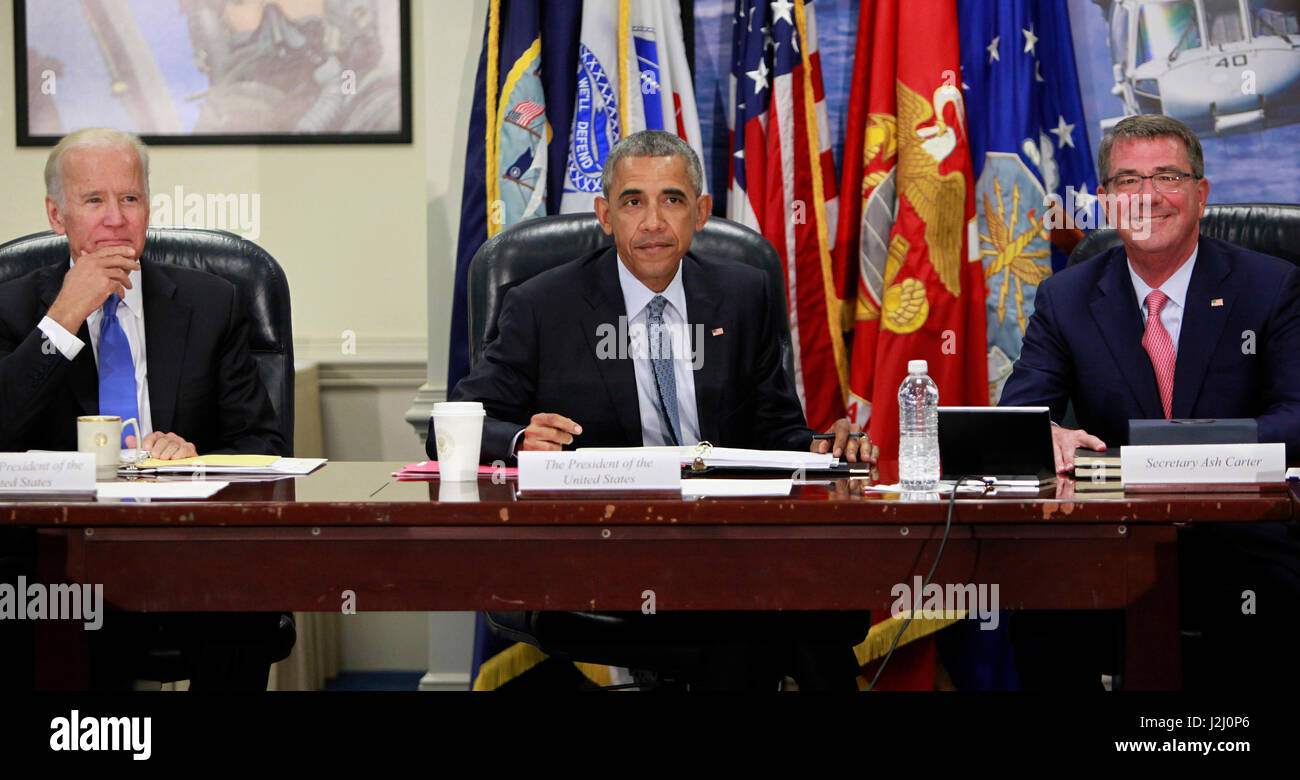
x=918, y=418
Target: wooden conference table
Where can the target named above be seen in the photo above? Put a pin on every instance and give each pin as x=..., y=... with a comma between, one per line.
x=351, y=531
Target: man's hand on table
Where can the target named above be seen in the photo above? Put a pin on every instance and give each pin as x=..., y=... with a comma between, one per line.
x=853, y=449
x=1066, y=440
x=164, y=446
x=548, y=431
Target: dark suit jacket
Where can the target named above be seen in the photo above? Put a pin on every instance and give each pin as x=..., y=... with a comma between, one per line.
x=1238, y=349
x=545, y=360
x=203, y=382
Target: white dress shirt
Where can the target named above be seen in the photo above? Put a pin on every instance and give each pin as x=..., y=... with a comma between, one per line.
x=130, y=315
x=636, y=298
x=1175, y=287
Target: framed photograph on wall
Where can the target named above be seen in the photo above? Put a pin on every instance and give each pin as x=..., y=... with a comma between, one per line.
x=215, y=71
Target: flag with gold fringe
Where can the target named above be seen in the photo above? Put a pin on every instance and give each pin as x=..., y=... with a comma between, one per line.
x=783, y=184
x=920, y=287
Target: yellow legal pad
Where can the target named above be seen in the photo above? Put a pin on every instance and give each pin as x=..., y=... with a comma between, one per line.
x=210, y=461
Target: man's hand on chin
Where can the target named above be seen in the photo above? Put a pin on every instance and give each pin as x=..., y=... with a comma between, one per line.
x=89, y=282
x=164, y=446
x=853, y=449
x=1066, y=440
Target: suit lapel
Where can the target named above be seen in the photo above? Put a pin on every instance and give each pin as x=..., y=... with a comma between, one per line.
x=702, y=300
x=1115, y=312
x=604, y=299
x=1202, y=326
x=166, y=327
x=83, y=378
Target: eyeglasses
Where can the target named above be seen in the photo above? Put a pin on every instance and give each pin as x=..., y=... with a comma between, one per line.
x=1166, y=181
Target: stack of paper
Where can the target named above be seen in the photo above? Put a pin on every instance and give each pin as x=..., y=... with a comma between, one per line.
x=151, y=490
x=235, y=465
x=720, y=488
x=736, y=457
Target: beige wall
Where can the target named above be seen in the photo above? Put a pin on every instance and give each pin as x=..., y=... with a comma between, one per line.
x=351, y=225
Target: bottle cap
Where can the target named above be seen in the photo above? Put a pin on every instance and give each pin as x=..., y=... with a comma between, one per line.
x=917, y=367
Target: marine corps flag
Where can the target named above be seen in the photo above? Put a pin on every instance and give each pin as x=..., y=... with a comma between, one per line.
x=920, y=285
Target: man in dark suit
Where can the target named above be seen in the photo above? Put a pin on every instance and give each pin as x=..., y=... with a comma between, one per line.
x=558, y=351
x=550, y=356
x=558, y=375
x=192, y=379
x=1174, y=325
x=113, y=333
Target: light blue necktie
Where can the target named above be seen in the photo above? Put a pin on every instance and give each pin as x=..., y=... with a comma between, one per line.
x=662, y=360
x=116, y=369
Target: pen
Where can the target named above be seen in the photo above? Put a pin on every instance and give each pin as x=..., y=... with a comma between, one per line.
x=831, y=436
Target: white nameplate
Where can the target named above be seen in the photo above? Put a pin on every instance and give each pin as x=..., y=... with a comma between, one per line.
x=599, y=471
x=1209, y=464
x=41, y=473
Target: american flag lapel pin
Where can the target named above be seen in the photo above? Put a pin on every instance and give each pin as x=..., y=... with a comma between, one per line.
x=1216, y=302
x=717, y=331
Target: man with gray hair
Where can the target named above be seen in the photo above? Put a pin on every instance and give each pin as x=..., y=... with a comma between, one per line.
x=546, y=385
x=1173, y=324
x=113, y=333
x=153, y=329
x=1169, y=308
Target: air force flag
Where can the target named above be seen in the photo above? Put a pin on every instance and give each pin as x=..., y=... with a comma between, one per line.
x=1029, y=145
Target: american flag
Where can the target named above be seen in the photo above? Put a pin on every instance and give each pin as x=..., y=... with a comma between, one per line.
x=524, y=113
x=783, y=183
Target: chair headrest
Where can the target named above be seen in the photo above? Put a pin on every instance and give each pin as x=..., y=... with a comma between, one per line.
x=1271, y=228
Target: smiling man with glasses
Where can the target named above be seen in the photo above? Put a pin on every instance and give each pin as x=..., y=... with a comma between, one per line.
x=1170, y=325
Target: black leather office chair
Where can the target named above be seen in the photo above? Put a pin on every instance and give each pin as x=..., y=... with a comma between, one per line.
x=264, y=293
x=516, y=255
x=522, y=251
x=1271, y=228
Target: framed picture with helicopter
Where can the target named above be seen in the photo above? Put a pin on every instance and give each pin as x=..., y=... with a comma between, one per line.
x=215, y=71
x=1229, y=69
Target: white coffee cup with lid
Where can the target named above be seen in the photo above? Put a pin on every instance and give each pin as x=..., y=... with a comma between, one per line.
x=458, y=430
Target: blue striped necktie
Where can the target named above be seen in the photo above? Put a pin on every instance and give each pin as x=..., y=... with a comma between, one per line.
x=661, y=357
x=116, y=369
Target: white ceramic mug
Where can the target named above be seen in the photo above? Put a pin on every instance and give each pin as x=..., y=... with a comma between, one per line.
x=458, y=428
x=101, y=434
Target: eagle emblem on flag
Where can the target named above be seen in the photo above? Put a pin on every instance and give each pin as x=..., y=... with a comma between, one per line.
x=934, y=196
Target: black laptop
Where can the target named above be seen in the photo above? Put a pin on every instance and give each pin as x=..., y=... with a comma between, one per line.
x=1012, y=445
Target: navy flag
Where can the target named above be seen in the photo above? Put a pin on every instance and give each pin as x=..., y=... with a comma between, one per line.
x=525, y=79
x=515, y=156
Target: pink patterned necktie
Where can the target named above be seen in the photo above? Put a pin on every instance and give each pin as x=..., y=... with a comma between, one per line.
x=1161, y=349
